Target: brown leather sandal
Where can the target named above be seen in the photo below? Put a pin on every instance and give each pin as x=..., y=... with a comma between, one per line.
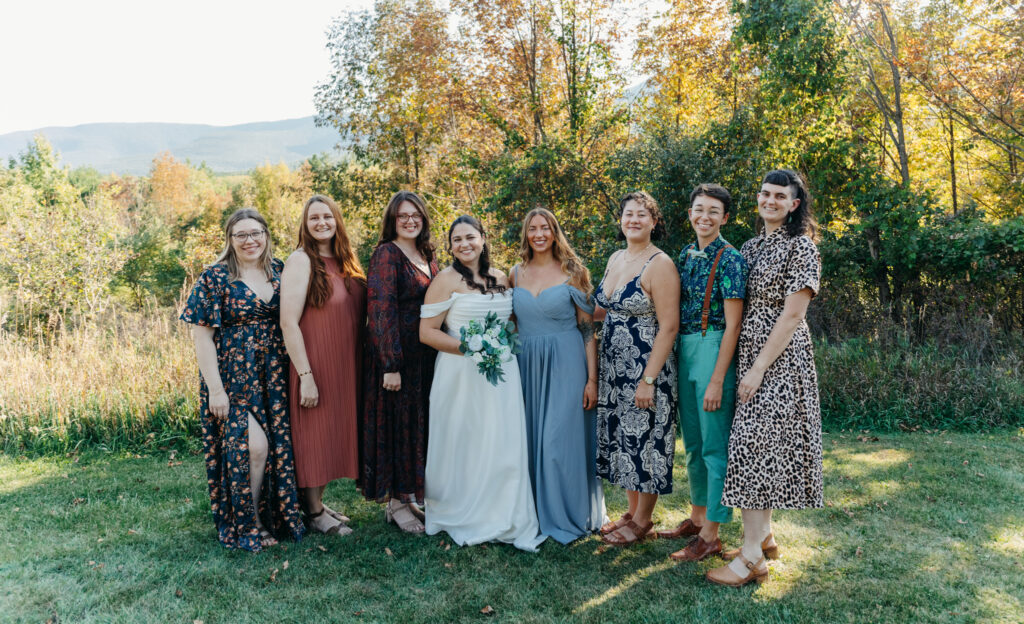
x=725, y=576
x=640, y=533
x=769, y=551
x=612, y=525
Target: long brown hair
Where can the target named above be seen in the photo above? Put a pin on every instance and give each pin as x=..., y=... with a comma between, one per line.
x=579, y=275
x=490, y=284
x=228, y=258
x=389, y=224
x=319, y=286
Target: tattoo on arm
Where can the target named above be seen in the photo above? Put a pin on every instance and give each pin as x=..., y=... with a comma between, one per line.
x=587, y=329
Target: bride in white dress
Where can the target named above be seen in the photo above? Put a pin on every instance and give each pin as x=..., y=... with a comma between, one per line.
x=477, y=482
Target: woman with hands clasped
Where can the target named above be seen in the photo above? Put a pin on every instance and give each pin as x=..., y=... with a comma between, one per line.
x=323, y=310
x=558, y=366
x=478, y=480
x=775, y=442
x=636, y=398
x=247, y=445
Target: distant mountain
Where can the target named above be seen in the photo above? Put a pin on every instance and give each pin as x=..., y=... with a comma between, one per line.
x=129, y=148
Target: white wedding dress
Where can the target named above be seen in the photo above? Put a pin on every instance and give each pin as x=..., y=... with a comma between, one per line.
x=477, y=482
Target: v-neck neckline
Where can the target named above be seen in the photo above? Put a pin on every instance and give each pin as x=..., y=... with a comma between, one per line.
x=256, y=294
x=426, y=273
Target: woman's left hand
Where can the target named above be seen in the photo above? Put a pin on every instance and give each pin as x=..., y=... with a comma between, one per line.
x=590, y=395
x=749, y=384
x=644, y=397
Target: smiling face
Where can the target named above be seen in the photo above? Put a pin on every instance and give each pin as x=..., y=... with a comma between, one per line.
x=539, y=234
x=467, y=242
x=637, y=222
x=408, y=221
x=774, y=203
x=707, y=216
x=320, y=222
x=248, y=239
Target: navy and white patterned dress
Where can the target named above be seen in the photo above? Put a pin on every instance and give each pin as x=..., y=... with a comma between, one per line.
x=634, y=446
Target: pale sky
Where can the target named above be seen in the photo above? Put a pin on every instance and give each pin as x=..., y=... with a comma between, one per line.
x=219, y=62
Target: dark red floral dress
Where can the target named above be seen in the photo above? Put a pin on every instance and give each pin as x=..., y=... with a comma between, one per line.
x=394, y=424
x=254, y=369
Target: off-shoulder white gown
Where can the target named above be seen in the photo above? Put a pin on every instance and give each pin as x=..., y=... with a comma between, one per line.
x=477, y=482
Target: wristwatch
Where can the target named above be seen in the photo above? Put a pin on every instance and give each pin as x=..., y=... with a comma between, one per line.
x=649, y=380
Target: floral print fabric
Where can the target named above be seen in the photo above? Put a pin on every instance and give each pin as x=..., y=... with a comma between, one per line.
x=634, y=446
x=253, y=367
x=394, y=424
x=694, y=270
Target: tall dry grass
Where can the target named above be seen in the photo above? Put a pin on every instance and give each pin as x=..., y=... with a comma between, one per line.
x=127, y=379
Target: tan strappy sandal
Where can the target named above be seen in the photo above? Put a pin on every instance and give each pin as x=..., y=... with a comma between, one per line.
x=409, y=525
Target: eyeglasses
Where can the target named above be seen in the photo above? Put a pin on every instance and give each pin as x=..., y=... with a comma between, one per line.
x=242, y=237
x=406, y=218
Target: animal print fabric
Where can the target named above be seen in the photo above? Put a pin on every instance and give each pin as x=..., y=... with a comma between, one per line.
x=775, y=443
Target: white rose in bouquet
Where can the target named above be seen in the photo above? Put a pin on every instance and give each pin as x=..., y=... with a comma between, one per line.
x=505, y=353
x=477, y=357
x=476, y=343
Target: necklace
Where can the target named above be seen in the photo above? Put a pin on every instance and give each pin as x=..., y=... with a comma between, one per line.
x=625, y=254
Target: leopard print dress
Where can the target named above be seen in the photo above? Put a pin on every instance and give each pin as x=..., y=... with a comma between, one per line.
x=775, y=444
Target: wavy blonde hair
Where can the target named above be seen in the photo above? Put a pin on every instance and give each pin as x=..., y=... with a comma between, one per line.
x=228, y=258
x=579, y=275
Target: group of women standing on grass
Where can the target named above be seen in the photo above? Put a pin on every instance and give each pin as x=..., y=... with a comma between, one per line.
x=376, y=372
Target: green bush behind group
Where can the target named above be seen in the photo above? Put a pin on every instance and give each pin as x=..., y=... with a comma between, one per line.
x=920, y=317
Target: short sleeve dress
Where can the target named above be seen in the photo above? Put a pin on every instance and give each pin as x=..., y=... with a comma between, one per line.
x=395, y=424
x=775, y=443
x=635, y=447
x=254, y=370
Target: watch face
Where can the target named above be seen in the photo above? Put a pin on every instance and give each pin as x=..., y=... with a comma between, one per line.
x=649, y=381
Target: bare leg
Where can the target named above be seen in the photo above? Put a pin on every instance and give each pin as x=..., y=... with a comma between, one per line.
x=698, y=515
x=756, y=526
x=644, y=507
x=313, y=498
x=258, y=450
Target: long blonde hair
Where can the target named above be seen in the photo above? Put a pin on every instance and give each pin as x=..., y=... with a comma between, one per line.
x=579, y=275
x=228, y=258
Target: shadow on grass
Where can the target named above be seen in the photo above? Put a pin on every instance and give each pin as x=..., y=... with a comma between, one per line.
x=116, y=538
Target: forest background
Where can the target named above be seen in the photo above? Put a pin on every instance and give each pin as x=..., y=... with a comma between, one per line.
x=907, y=118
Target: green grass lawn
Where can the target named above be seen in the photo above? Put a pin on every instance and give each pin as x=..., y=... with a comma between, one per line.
x=917, y=528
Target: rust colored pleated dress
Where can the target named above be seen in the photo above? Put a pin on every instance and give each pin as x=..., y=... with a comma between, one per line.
x=326, y=437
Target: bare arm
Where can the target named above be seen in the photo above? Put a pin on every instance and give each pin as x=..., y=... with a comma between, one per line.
x=661, y=281
x=731, y=335
x=431, y=333
x=793, y=312
x=294, y=286
x=206, y=355
x=585, y=322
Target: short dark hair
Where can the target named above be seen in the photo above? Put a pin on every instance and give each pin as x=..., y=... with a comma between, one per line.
x=715, y=191
x=650, y=205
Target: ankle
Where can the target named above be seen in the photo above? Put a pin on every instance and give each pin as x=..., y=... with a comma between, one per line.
x=708, y=534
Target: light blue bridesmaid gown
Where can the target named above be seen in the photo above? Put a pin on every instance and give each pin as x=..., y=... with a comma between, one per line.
x=561, y=436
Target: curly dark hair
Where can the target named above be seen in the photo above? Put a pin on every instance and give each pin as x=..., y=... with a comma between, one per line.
x=490, y=284
x=650, y=205
x=715, y=191
x=801, y=221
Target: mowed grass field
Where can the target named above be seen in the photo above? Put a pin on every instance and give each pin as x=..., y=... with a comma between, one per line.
x=917, y=528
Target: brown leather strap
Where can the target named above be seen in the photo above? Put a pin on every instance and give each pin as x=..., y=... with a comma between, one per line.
x=706, y=312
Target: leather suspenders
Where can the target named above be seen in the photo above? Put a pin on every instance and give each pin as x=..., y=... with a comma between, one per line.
x=707, y=292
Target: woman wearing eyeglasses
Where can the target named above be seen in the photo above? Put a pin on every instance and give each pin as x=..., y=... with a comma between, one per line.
x=247, y=442
x=323, y=311
x=398, y=368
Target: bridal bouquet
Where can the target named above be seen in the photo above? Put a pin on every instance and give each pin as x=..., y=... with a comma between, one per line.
x=490, y=345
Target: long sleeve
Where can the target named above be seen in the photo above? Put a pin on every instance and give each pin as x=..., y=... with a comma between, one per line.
x=382, y=307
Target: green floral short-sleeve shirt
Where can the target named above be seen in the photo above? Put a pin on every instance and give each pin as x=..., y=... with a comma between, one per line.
x=694, y=270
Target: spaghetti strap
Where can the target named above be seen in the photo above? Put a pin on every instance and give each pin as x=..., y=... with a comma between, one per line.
x=644, y=267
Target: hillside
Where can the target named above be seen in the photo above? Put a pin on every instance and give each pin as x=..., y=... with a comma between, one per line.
x=129, y=148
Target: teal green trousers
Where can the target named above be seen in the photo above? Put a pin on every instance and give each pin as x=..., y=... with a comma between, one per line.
x=705, y=434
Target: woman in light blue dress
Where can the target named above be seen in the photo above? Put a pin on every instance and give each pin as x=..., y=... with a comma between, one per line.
x=558, y=368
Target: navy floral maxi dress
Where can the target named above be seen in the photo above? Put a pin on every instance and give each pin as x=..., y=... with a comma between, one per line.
x=635, y=446
x=254, y=370
x=394, y=424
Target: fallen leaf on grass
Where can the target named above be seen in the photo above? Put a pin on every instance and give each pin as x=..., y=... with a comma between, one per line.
x=930, y=499
x=77, y=501
x=447, y=547
x=959, y=521
x=99, y=539
x=978, y=474
x=17, y=509
x=197, y=622
x=178, y=593
x=172, y=464
x=448, y=565
x=132, y=532
x=284, y=566
x=91, y=563
x=321, y=547
x=488, y=610
x=388, y=552
x=357, y=613
x=273, y=576
x=966, y=462
x=860, y=551
x=847, y=512
x=188, y=501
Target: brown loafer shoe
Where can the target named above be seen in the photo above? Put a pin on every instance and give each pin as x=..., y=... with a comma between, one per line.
x=698, y=550
x=770, y=551
x=686, y=528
